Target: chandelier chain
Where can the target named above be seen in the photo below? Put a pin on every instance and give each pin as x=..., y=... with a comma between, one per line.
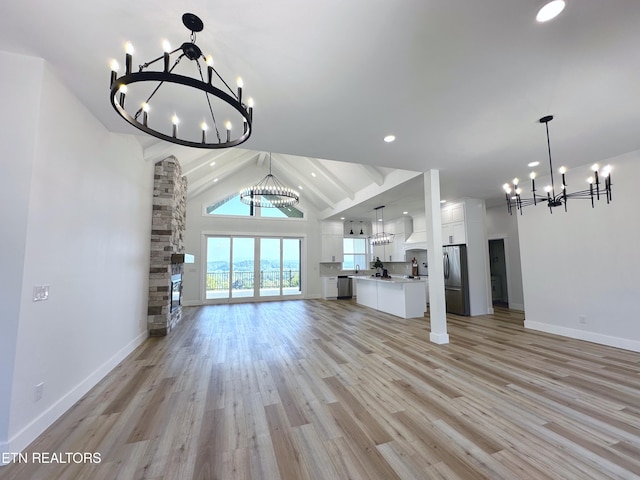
x=553, y=187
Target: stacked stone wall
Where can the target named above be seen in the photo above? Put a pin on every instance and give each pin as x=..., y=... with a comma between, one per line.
x=167, y=238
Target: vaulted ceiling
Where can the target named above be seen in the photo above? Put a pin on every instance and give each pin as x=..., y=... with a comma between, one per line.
x=461, y=84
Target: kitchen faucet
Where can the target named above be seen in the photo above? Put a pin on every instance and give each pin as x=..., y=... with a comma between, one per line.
x=357, y=268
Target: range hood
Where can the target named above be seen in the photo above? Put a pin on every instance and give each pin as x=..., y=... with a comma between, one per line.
x=416, y=241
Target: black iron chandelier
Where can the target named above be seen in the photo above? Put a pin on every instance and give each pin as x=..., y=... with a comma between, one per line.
x=380, y=237
x=552, y=199
x=166, y=88
x=269, y=193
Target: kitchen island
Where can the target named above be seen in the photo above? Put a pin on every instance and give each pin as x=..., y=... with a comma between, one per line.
x=403, y=297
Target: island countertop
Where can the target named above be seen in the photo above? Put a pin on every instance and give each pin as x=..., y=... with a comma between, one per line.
x=387, y=279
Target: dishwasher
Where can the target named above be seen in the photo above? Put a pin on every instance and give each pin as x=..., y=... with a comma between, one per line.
x=345, y=289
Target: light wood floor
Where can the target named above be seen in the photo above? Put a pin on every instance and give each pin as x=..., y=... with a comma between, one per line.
x=330, y=390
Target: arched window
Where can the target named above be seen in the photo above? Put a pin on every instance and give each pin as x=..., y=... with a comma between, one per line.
x=234, y=207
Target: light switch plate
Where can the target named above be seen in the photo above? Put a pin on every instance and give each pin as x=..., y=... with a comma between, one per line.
x=40, y=293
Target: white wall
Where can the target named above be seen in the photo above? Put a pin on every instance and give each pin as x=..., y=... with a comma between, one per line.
x=477, y=257
x=17, y=137
x=87, y=237
x=586, y=262
x=199, y=225
x=502, y=225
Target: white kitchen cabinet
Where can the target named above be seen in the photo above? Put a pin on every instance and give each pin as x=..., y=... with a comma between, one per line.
x=453, y=224
x=397, y=251
x=332, y=248
x=378, y=251
x=330, y=287
x=454, y=234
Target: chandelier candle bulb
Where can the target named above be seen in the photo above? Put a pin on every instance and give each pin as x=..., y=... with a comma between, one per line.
x=595, y=167
x=145, y=113
x=175, y=121
x=590, y=182
x=128, y=57
x=532, y=176
x=128, y=60
x=114, y=72
x=562, y=171
x=250, y=105
x=123, y=92
x=240, y=85
x=204, y=127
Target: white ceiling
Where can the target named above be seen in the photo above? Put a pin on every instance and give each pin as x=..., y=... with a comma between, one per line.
x=461, y=83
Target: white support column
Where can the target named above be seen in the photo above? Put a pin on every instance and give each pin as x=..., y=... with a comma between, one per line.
x=437, y=302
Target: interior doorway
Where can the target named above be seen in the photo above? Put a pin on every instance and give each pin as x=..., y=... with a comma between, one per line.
x=498, y=267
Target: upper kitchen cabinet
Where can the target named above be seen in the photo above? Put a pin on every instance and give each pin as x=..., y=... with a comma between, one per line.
x=453, y=224
x=332, y=243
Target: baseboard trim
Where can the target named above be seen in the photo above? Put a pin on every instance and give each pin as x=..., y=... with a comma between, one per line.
x=28, y=434
x=4, y=448
x=593, y=337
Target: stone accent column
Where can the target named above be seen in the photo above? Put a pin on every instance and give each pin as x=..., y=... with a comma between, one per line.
x=167, y=237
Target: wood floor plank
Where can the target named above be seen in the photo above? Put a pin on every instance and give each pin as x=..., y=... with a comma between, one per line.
x=323, y=390
x=287, y=452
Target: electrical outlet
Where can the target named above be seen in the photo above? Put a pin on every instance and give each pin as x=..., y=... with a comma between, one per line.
x=38, y=391
x=40, y=293
x=582, y=319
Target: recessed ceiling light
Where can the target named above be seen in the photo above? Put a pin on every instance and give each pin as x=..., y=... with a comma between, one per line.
x=550, y=11
x=389, y=138
x=443, y=201
x=341, y=218
x=212, y=164
x=215, y=180
x=533, y=164
x=405, y=213
x=300, y=187
x=313, y=175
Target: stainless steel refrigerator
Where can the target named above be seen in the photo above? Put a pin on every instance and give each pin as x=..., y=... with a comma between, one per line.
x=456, y=279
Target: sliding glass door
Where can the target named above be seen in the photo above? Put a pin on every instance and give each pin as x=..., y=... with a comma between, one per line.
x=270, y=267
x=218, y=268
x=240, y=267
x=291, y=271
